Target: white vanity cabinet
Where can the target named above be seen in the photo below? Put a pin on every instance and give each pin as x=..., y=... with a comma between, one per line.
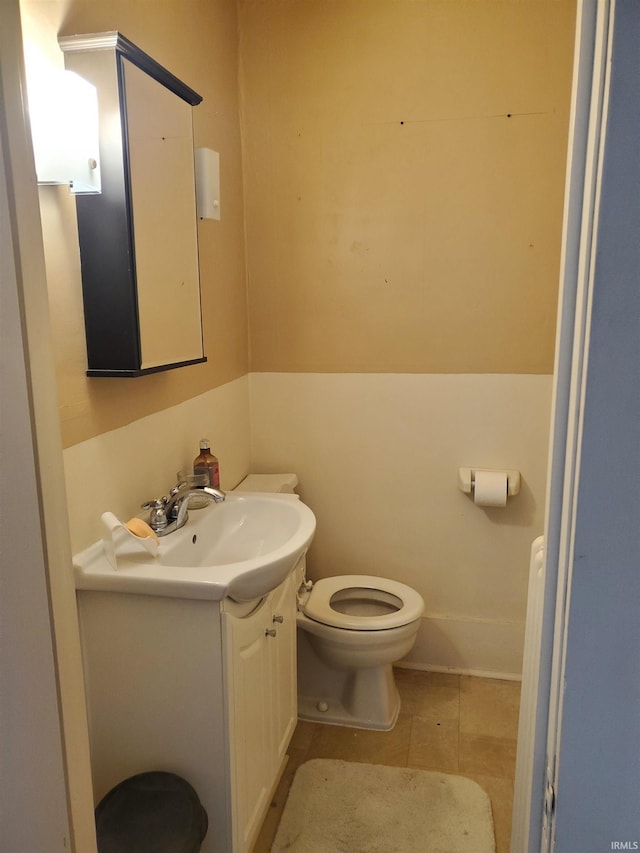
x=205, y=689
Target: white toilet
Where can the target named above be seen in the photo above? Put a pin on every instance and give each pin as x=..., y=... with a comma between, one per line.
x=351, y=629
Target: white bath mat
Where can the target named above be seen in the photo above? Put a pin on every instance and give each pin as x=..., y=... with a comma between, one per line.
x=345, y=807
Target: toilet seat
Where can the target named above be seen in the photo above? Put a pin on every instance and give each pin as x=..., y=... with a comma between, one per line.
x=319, y=608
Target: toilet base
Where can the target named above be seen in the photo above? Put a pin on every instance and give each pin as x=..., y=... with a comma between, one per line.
x=333, y=712
x=362, y=698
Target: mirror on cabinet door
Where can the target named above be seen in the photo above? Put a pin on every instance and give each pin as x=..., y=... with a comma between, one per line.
x=138, y=239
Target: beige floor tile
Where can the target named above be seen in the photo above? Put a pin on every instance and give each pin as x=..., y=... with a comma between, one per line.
x=423, y=677
x=430, y=695
x=501, y=793
x=276, y=807
x=369, y=747
x=489, y=707
x=434, y=745
x=304, y=734
x=492, y=756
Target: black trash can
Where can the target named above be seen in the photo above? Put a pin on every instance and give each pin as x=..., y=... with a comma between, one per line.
x=153, y=812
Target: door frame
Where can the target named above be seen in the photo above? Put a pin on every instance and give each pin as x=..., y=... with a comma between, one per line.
x=534, y=797
x=43, y=673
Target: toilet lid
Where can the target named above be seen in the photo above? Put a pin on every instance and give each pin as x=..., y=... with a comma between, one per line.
x=399, y=604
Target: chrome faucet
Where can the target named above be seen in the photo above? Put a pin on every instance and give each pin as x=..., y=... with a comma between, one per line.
x=171, y=513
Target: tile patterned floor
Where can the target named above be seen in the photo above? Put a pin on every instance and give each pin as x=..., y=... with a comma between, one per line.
x=452, y=723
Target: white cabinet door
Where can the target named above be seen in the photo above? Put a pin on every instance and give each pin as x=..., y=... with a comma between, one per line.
x=250, y=736
x=282, y=647
x=260, y=665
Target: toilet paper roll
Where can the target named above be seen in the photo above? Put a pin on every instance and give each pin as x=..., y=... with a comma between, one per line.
x=490, y=488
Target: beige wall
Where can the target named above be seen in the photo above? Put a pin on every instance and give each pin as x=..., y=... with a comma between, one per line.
x=198, y=42
x=404, y=171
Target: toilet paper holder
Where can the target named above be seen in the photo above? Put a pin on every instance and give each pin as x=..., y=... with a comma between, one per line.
x=467, y=476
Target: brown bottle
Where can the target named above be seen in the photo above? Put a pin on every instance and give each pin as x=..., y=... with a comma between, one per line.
x=207, y=463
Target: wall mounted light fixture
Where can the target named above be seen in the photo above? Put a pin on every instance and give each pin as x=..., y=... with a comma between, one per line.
x=63, y=110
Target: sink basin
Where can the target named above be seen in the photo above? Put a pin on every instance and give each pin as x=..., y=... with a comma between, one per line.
x=241, y=548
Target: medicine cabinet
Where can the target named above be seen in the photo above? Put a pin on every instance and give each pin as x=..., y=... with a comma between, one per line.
x=138, y=238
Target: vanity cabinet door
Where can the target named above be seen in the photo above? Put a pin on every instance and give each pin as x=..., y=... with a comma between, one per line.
x=260, y=679
x=284, y=669
x=246, y=665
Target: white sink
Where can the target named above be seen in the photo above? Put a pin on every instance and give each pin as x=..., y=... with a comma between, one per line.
x=242, y=548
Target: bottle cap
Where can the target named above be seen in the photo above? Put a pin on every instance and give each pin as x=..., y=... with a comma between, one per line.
x=204, y=444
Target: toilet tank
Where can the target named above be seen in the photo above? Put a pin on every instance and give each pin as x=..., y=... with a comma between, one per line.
x=274, y=483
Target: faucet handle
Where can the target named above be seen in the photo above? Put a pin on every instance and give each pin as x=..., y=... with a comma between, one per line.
x=156, y=503
x=157, y=514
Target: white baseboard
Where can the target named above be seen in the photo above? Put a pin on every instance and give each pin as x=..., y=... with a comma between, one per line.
x=465, y=646
x=478, y=673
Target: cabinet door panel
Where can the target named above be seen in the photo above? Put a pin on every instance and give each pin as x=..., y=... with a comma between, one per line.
x=260, y=666
x=247, y=685
x=163, y=207
x=284, y=669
